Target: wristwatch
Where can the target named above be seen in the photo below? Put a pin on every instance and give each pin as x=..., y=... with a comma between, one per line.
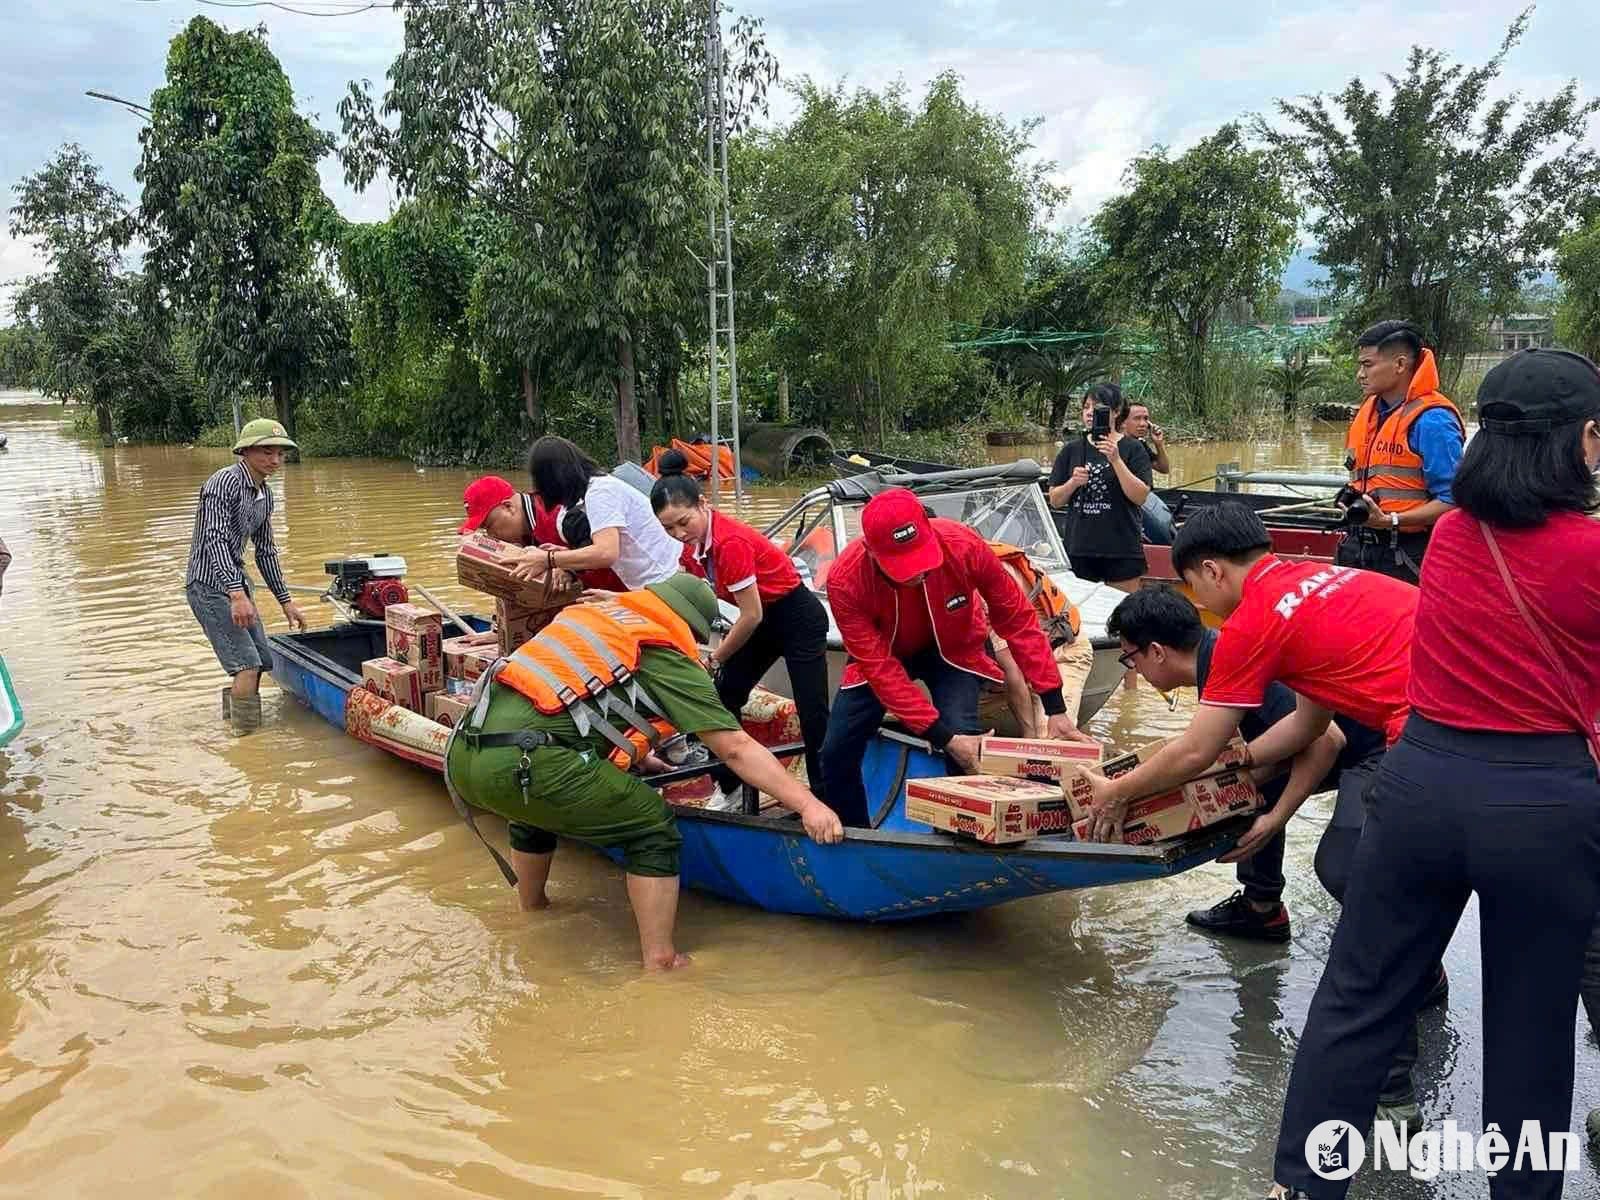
x=1394, y=520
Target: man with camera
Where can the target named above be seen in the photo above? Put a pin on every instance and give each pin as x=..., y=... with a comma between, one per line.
x=1102, y=479
x=1401, y=452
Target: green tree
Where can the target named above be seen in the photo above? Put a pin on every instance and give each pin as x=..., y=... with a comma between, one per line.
x=79, y=224
x=870, y=226
x=229, y=171
x=578, y=129
x=1436, y=203
x=1192, y=235
x=21, y=356
x=1578, y=312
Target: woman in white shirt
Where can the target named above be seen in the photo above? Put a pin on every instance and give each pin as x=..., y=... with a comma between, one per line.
x=624, y=534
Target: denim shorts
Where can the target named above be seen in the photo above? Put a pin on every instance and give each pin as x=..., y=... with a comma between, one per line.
x=237, y=649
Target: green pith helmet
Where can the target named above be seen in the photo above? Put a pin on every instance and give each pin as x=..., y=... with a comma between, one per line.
x=263, y=431
x=692, y=599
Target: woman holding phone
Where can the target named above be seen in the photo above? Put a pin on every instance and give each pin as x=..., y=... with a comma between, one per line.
x=1101, y=479
x=779, y=617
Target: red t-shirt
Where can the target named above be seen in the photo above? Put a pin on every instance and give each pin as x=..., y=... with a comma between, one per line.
x=913, y=627
x=1339, y=636
x=1475, y=665
x=739, y=556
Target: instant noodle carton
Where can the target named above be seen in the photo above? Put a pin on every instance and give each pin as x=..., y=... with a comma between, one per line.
x=1043, y=760
x=415, y=636
x=481, y=565
x=394, y=681
x=514, y=624
x=446, y=708
x=456, y=650
x=988, y=808
x=1077, y=791
x=1222, y=791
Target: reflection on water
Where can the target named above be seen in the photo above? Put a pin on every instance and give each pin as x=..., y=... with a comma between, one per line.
x=278, y=965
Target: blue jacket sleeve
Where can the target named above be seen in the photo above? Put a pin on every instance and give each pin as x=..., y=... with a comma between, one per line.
x=1437, y=438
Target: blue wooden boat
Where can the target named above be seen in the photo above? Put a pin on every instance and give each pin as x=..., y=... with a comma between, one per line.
x=891, y=872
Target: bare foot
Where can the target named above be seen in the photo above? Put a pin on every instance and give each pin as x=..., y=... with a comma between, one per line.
x=533, y=905
x=667, y=964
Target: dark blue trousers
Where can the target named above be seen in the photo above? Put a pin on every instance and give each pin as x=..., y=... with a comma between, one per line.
x=856, y=714
x=1516, y=819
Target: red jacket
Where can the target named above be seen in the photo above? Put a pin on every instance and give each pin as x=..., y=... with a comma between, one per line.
x=866, y=609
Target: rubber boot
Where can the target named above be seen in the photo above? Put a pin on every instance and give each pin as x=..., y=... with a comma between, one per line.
x=246, y=713
x=227, y=702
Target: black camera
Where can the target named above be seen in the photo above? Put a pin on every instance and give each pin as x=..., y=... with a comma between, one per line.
x=1357, y=508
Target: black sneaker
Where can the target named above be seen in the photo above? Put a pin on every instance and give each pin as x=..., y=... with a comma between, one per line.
x=1439, y=994
x=1237, y=917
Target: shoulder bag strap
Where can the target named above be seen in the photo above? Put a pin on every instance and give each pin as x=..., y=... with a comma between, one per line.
x=1586, y=721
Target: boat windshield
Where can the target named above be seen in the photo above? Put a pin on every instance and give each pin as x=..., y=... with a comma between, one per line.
x=1000, y=514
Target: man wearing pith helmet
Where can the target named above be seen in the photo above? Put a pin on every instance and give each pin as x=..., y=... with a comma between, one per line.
x=236, y=505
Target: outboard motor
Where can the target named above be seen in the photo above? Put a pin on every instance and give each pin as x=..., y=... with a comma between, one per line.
x=370, y=584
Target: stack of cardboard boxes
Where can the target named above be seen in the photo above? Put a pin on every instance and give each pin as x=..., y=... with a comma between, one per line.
x=521, y=608
x=413, y=668
x=1028, y=787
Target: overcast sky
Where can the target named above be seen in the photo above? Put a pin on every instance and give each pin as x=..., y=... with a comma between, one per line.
x=1107, y=79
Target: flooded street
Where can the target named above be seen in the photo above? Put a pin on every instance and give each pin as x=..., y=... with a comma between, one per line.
x=280, y=966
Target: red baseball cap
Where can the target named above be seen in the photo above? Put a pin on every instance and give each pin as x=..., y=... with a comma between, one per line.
x=481, y=497
x=898, y=535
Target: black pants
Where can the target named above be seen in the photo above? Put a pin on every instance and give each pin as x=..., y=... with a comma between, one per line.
x=857, y=713
x=1516, y=819
x=1398, y=556
x=794, y=628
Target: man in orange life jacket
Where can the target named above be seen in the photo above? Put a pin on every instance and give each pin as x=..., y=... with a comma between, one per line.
x=904, y=599
x=549, y=736
x=1401, y=451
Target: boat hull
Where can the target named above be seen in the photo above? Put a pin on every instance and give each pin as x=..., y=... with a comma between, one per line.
x=895, y=871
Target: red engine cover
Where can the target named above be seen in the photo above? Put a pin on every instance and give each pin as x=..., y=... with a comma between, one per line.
x=377, y=594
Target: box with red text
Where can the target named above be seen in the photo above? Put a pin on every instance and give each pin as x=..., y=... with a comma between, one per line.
x=415, y=636
x=394, y=681
x=987, y=808
x=1043, y=760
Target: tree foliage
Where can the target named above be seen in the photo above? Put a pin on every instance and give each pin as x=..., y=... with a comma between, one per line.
x=1192, y=235
x=1437, y=201
x=229, y=171
x=870, y=225
x=576, y=128
x=1578, y=312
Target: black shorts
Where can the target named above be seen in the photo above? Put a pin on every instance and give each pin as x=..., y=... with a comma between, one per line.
x=1095, y=568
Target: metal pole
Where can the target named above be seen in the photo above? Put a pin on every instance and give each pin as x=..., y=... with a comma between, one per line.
x=713, y=37
x=725, y=199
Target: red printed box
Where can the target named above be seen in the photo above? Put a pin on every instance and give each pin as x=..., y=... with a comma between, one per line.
x=514, y=624
x=447, y=709
x=415, y=636
x=988, y=808
x=394, y=681
x=1043, y=760
x=1197, y=804
x=1079, y=797
x=481, y=564
x=456, y=650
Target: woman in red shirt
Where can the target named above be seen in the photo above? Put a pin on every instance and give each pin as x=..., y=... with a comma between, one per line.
x=1493, y=788
x=779, y=617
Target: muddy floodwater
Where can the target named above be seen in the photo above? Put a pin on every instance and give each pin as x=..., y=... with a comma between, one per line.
x=279, y=966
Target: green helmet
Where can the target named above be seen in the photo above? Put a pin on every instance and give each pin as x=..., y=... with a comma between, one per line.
x=263, y=431
x=692, y=599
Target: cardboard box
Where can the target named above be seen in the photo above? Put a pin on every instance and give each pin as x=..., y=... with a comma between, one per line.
x=514, y=624
x=394, y=681
x=457, y=648
x=446, y=708
x=1079, y=797
x=479, y=566
x=1197, y=804
x=988, y=808
x=475, y=662
x=414, y=635
x=1043, y=760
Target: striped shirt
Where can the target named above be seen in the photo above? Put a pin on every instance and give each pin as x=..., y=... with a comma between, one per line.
x=232, y=508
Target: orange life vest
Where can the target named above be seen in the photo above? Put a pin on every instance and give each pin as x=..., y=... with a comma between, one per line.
x=1057, y=614
x=583, y=663
x=1378, y=453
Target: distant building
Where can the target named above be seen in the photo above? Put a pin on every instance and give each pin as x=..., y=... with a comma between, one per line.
x=1311, y=322
x=1518, y=331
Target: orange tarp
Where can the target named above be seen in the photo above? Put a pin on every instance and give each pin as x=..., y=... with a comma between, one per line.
x=699, y=456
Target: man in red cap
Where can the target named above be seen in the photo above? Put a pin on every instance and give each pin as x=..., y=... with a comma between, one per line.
x=502, y=512
x=904, y=597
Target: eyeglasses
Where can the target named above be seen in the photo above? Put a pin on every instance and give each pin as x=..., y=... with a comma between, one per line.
x=1127, y=659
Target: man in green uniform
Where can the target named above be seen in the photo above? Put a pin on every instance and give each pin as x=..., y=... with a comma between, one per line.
x=571, y=788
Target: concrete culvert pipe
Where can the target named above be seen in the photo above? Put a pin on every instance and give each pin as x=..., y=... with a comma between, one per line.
x=778, y=450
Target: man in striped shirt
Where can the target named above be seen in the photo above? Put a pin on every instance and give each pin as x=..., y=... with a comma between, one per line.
x=236, y=504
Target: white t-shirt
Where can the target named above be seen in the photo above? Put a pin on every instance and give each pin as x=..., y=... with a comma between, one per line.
x=645, y=554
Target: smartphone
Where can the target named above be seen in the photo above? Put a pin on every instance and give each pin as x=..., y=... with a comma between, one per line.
x=1102, y=421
